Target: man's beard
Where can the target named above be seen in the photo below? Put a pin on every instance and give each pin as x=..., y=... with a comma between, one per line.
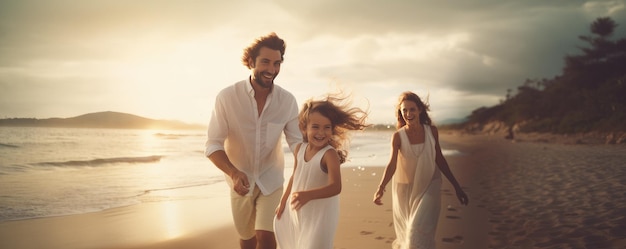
x=258, y=77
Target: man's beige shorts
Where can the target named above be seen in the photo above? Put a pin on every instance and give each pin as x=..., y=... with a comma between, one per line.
x=254, y=212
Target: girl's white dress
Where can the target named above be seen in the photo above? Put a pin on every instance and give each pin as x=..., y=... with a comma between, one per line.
x=314, y=225
x=416, y=193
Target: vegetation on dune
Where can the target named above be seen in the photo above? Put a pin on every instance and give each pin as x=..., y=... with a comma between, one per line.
x=588, y=96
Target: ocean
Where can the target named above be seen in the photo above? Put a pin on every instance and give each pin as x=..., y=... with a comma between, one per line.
x=48, y=172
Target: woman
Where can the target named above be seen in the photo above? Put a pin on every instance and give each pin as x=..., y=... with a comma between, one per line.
x=417, y=162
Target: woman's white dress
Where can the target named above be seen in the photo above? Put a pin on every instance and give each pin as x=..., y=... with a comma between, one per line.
x=416, y=193
x=314, y=225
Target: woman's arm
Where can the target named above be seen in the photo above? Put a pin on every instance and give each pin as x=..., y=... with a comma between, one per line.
x=389, y=170
x=445, y=169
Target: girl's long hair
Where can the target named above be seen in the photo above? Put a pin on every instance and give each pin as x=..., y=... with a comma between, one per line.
x=343, y=118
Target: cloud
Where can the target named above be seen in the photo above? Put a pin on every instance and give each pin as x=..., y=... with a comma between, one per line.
x=142, y=56
x=482, y=47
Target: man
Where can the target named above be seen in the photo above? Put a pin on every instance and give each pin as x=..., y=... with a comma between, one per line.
x=244, y=141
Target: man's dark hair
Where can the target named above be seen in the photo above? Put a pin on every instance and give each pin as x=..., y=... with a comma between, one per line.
x=271, y=41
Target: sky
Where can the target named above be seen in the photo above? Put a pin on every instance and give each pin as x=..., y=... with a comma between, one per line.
x=168, y=59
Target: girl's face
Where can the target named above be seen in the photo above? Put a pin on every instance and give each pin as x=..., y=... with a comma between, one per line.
x=410, y=112
x=319, y=130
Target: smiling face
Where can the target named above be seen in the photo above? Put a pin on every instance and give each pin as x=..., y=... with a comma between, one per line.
x=265, y=67
x=410, y=112
x=318, y=130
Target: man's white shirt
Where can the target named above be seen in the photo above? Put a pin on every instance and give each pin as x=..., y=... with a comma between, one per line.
x=251, y=141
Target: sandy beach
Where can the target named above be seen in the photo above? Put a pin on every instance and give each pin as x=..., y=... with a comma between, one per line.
x=522, y=195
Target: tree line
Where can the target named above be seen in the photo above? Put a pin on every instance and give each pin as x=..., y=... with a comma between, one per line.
x=589, y=94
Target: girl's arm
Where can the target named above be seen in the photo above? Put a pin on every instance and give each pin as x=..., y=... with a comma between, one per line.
x=283, y=200
x=390, y=170
x=445, y=169
x=331, y=160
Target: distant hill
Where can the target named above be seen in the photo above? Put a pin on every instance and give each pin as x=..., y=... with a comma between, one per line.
x=108, y=119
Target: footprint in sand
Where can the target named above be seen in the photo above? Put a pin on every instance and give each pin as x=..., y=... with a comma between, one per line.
x=366, y=233
x=455, y=240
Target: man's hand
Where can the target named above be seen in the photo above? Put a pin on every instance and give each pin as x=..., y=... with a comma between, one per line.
x=240, y=183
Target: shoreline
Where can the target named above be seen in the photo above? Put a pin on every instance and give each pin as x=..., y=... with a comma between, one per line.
x=362, y=224
x=149, y=223
x=587, y=138
x=522, y=195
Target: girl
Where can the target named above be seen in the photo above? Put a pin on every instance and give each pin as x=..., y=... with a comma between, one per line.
x=417, y=162
x=309, y=209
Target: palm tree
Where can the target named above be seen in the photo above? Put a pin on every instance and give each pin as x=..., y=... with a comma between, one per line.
x=603, y=27
x=601, y=46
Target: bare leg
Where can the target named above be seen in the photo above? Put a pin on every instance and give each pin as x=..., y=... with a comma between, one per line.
x=248, y=244
x=266, y=240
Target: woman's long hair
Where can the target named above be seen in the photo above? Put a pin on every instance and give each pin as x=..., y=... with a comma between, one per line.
x=424, y=107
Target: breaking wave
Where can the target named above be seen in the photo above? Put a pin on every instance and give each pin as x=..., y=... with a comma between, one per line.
x=101, y=161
